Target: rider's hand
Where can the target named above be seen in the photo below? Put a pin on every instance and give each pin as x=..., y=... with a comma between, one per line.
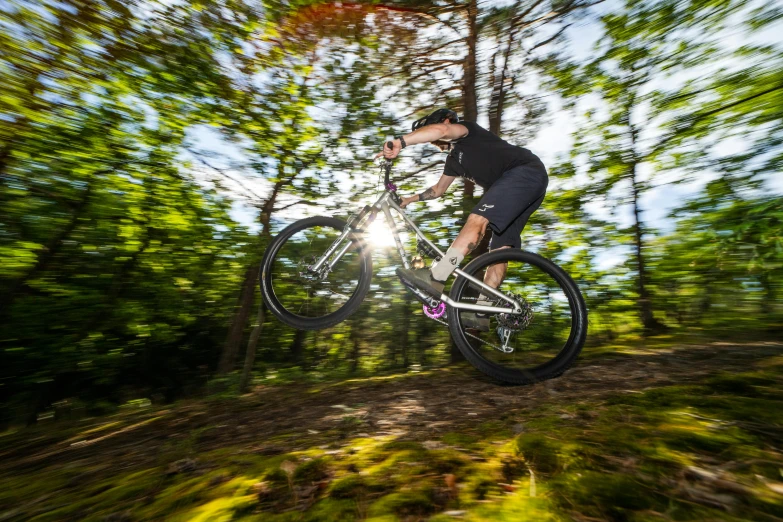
x=405, y=201
x=390, y=153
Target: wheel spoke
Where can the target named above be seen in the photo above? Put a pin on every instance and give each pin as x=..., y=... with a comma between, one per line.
x=304, y=294
x=520, y=345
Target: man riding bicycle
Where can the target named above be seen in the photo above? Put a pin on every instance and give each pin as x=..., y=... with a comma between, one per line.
x=514, y=182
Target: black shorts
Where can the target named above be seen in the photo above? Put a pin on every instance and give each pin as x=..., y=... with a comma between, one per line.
x=510, y=202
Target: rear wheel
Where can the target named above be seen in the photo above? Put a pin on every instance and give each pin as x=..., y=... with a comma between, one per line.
x=543, y=341
x=306, y=299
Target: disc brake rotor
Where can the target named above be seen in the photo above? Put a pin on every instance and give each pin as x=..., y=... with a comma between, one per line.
x=306, y=273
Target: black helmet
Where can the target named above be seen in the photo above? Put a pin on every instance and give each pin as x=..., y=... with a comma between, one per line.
x=438, y=116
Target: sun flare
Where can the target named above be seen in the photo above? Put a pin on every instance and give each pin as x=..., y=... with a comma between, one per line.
x=380, y=235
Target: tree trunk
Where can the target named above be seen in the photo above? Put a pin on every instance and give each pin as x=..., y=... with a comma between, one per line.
x=297, y=347
x=356, y=347
x=768, y=298
x=406, y=326
x=5, y=155
x=455, y=355
x=228, y=357
x=649, y=323
x=246, y=297
x=250, y=354
x=469, y=97
x=498, y=85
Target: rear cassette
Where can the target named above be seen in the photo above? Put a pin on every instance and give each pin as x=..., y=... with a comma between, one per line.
x=517, y=322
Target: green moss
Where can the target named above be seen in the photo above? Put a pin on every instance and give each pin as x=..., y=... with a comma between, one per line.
x=615, y=458
x=350, y=486
x=494, y=430
x=513, y=468
x=607, y=495
x=395, y=458
x=106, y=497
x=311, y=471
x=517, y=506
x=480, y=486
x=462, y=440
x=224, y=507
x=745, y=409
x=243, y=462
x=666, y=397
x=692, y=440
x=745, y=385
x=332, y=510
x=402, y=445
x=21, y=486
x=276, y=476
x=445, y=461
x=538, y=452
x=405, y=504
x=382, y=518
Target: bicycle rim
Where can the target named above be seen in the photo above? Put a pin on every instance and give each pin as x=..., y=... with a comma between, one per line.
x=542, y=342
x=302, y=295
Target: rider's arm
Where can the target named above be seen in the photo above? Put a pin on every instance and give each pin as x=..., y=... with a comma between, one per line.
x=435, y=132
x=436, y=190
x=427, y=134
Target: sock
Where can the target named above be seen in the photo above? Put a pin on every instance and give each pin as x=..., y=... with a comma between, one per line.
x=443, y=268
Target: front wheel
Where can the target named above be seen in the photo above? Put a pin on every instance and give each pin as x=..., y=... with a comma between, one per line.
x=307, y=299
x=539, y=344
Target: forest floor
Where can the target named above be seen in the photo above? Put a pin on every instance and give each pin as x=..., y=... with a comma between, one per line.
x=659, y=431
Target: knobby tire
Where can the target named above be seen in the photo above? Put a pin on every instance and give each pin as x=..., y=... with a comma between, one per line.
x=554, y=367
x=313, y=323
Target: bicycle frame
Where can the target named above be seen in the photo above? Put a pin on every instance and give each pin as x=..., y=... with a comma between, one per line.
x=385, y=204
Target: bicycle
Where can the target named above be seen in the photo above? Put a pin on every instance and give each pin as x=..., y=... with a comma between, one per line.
x=317, y=271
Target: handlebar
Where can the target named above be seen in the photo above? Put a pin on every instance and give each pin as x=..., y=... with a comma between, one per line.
x=387, y=166
x=387, y=184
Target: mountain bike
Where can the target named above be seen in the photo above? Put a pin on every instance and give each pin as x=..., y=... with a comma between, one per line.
x=317, y=271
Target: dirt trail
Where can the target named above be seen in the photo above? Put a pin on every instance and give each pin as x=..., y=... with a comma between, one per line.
x=412, y=407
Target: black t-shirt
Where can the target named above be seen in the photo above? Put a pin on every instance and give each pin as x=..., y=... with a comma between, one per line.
x=483, y=157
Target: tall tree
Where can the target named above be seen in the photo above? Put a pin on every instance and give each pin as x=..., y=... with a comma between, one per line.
x=106, y=229
x=620, y=139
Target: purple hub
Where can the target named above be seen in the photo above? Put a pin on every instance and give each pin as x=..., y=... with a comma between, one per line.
x=435, y=313
x=391, y=187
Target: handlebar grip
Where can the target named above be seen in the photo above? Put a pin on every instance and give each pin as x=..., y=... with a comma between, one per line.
x=390, y=145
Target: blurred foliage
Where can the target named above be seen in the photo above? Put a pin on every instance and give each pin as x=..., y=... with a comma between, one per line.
x=119, y=264
x=124, y=274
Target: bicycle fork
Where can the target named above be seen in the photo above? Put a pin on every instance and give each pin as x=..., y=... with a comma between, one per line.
x=351, y=227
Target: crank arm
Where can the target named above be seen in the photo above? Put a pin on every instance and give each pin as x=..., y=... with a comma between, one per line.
x=421, y=296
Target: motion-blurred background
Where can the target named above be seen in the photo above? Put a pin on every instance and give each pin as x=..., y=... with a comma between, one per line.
x=149, y=150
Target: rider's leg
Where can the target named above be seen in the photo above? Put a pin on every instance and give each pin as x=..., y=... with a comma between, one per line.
x=504, y=207
x=497, y=272
x=471, y=234
x=493, y=276
x=433, y=281
x=468, y=239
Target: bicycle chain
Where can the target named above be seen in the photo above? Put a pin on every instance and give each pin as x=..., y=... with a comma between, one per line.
x=479, y=339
